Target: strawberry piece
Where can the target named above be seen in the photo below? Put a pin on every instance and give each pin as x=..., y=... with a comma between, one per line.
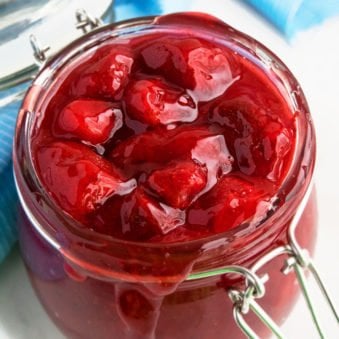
x=191, y=64
x=232, y=202
x=153, y=102
x=168, y=57
x=91, y=121
x=150, y=150
x=180, y=183
x=78, y=179
x=213, y=153
x=260, y=140
x=277, y=145
x=106, y=219
x=212, y=72
x=142, y=217
x=107, y=77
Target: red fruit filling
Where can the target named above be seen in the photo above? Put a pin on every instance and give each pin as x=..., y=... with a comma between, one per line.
x=154, y=149
x=153, y=102
x=194, y=139
x=196, y=65
x=91, y=121
x=143, y=217
x=212, y=72
x=79, y=179
x=106, y=76
x=180, y=183
x=231, y=202
x=168, y=58
x=259, y=137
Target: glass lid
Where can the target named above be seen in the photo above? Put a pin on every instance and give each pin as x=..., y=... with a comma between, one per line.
x=52, y=23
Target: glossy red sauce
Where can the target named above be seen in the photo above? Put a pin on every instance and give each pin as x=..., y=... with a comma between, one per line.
x=165, y=138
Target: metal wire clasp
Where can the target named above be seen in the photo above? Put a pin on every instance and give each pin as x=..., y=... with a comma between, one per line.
x=39, y=52
x=85, y=21
x=298, y=260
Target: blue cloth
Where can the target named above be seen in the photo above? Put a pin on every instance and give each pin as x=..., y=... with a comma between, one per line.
x=126, y=9
x=8, y=115
x=8, y=201
x=293, y=16
x=8, y=197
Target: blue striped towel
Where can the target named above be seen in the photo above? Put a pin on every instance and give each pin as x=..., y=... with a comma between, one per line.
x=8, y=198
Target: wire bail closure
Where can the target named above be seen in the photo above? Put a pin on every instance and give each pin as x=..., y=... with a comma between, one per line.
x=84, y=21
x=298, y=260
x=39, y=52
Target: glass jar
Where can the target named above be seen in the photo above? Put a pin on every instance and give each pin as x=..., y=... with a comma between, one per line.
x=94, y=286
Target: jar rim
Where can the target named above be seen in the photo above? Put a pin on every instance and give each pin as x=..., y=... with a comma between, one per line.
x=301, y=167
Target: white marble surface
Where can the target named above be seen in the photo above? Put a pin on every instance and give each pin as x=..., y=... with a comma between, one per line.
x=313, y=57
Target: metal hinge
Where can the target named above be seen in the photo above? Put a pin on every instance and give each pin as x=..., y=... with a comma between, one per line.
x=84, y=21
x=298, y=260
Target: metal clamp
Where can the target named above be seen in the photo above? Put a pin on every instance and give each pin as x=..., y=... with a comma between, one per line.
x=298, y=260
x=86, y=22
x=39, y=52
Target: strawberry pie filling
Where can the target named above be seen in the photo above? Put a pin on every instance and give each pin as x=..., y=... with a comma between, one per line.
x=165, y=138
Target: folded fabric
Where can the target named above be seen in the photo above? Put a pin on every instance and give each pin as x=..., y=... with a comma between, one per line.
x=126, y=9
x=9, y=106
x=8, y=203
x=293, y=16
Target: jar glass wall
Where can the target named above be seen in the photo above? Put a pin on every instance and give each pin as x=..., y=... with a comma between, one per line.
x=96, y=286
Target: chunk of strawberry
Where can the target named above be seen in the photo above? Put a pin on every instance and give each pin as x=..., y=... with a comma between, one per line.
x=277, y=149
x=148, y=151
x=107, y=76
x=260, y=139
x=153, y=102
x=212, y=72
x=106, y=219
x=91, y=121
x=168, y=57
x=180, y=183
x=142, y=217
x=77, y=178
x=213, y=153
x=232, y=202
x=239, y=118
